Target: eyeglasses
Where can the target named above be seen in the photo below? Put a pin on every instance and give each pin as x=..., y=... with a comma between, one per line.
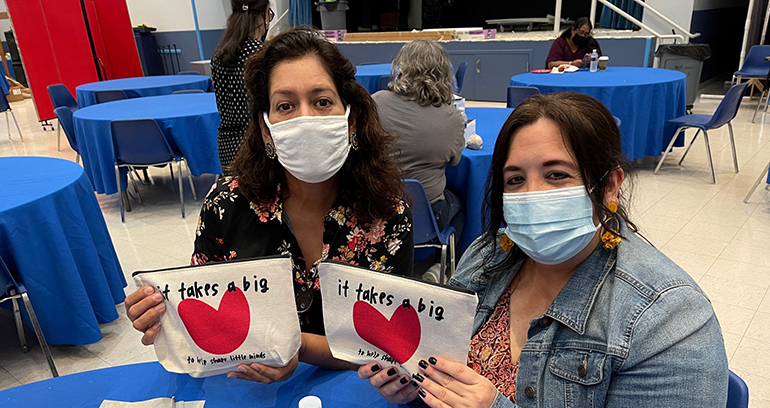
x=270, y=15
x=583, y=33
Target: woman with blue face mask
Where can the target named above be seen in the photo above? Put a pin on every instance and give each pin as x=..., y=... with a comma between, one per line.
x=313, y=180
x=575, y=309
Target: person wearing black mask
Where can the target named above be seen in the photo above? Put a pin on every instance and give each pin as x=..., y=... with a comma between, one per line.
x=245, y=34
x=573, y=45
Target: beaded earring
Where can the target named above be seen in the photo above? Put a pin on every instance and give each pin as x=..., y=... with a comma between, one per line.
x=270, y=150
x=611, y=237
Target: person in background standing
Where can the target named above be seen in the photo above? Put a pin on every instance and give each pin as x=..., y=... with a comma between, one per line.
x=245, y=34
x=573, y=45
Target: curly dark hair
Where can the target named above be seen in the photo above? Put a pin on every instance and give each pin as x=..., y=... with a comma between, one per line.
x=370, y=179
x=589, y=130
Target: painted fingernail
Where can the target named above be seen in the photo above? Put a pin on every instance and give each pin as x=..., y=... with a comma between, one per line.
x=423, y=364
x=242, y=369
x=160, y=307
x=230, y=375
x=418, y=377
x=376, y=368
x=432, y=360
x=148, y=290
x=414, y=384
x=392, y=371
x=404, y=380
x=422, y=393
x=157, y=297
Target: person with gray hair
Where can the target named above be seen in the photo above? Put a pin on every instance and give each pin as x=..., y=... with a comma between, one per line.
x=417, y=108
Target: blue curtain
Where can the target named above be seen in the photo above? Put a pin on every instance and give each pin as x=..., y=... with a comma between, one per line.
x=611, y=19
x=300, y=12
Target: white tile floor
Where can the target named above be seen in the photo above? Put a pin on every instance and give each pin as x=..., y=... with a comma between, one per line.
x=707, y=229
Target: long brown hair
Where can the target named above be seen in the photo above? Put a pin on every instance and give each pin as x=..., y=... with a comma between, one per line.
x=240, y=24
x=589, y=130
x=370, y=179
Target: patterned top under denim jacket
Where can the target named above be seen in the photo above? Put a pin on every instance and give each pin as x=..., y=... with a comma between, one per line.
x=629, y=329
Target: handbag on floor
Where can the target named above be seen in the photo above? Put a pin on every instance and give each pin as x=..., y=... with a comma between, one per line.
x=224, y=314
x=391, y=319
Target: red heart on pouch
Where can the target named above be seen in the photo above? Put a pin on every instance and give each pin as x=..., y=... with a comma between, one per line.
x=399, y=336
x=217, y=331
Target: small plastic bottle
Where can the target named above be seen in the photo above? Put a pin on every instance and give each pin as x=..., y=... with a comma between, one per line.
x=310, y=401
x=594, y=61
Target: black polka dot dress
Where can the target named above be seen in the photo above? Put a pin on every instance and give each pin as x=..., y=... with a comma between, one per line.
x=232, y=101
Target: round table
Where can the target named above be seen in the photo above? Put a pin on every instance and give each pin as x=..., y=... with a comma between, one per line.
x=140, y=382
x=369, y=75
x=142, y=86
x=643, y=98
x=468, y=177
x=53, y=235
x=189, y=122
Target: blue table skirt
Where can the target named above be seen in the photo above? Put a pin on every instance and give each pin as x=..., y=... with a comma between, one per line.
x=139, y=382
x=369, y=75
x=188, y=121
x=53, y=235
x=643, y=98
x=467, y=179
x=142, y=86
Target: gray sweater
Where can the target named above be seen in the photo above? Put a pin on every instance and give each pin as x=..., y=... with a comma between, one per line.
x=428, y=138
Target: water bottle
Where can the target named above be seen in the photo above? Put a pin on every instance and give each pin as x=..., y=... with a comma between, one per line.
x=594, y=61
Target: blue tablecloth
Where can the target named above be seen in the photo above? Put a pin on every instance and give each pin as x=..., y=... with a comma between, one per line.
x=142, y=86
x=643, y=98
x=139, y=382
x=369, y=75
x=189, y=122
x=467, y=178
x=53, y=235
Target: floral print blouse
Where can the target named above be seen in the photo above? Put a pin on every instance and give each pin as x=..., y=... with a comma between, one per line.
x=230, y=227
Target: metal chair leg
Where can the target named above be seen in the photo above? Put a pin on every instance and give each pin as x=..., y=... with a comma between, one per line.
x=19, y=324
x=759, y=105
x=171, y=170
x=452, y=255
x=39, y=333
x=708, y=154
x=136, y=188
x=181, y=186
x=8, y=125
x=442, y=274
x=58, y=137
x=120, y=194
x=732, y=144
x=762, y=175
x=17, y=127
x=190, y=178
x=689, y=146
x=668, y=148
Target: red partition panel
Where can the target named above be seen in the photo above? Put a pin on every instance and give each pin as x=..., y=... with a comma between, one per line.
x=114, y=24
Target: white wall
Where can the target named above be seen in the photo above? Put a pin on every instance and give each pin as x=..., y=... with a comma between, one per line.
x=176, y=15
x=5, y=25
x=680, y=11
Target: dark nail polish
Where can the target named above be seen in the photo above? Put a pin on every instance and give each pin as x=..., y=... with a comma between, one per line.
x=375, y=368
x=404, y=380
x=422, y=393
x=423, y=364
x=418, y=377
x=432, y=360
x=414, y=384
x=392, y=371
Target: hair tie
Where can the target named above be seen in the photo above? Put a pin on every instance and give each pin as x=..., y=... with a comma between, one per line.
x=245, y=7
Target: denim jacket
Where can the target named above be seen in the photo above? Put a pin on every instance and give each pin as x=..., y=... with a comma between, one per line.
x=629, y=329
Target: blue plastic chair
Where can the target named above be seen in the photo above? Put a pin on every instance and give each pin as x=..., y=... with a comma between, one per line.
x=64, y=115
x=109, y=95
x=737, y=392
x=384, y=81
x=14, y=290
x=61, y=96
x=724, y=114
x=188, y=73
x=460, y=76
x=516, y=94
x=426, y=232
x=755, y=65
x=6, y=107
x=140, y=142
x=188, y=91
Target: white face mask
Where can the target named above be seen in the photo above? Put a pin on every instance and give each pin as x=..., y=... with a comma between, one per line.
x=312, y=148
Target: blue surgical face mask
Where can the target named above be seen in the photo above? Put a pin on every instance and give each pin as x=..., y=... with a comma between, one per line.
x=550, y=226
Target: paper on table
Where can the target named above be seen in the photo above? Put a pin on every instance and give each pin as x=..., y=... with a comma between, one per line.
x=153, y=403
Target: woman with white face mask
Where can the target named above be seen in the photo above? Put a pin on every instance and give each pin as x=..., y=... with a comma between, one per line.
x=575, y=309
x=313, y=180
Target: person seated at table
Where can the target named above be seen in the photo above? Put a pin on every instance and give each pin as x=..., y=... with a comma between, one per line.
x=418, y=109
x=575, y=309
x=573, y=45
x=244, y=35
x=314, y=180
